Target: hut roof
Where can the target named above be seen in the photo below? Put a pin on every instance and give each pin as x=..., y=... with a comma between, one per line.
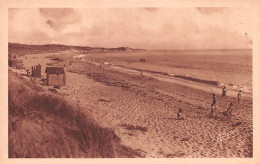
x=54, y=70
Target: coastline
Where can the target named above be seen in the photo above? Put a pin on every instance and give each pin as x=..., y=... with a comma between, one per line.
x=142, y=110
x=141, y=101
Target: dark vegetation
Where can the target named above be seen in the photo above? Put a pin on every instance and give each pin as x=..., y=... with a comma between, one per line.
x=197, y=80
x=134, y=127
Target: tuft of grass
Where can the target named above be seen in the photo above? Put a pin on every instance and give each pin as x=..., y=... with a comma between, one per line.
x=48, y=125
x=135, y=127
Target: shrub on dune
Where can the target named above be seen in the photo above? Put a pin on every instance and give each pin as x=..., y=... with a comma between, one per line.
x=44, y=124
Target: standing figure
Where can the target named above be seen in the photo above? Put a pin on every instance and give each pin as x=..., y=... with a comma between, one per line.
x=214, y=98
x=224, y=90
x=239, y=95
x=213, y=105
x=179, y=114
x=214, y=101
x=211, y=111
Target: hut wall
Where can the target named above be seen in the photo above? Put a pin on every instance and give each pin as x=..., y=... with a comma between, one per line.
x=13, y=63
x=36, y=71
x=10, y=62
x=56, y=80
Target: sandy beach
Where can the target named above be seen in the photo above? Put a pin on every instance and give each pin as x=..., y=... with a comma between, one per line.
x=131, y=81
x=142, y=111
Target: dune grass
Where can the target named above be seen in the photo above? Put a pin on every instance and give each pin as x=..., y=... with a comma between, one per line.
x=47, y=125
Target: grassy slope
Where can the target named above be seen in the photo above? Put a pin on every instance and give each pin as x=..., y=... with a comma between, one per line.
x=44, y=124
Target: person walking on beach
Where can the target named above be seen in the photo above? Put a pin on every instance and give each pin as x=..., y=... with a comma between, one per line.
x=239, y=95
x=213, y=105
x=211, y=111
x=229, y=111
x=214, y=100
x=179, y=114
x=224, y=90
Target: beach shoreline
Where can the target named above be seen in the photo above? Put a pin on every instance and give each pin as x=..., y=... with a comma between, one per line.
x=142, y=112
x=165, y=132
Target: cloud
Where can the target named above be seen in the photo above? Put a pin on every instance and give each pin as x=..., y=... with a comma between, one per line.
x=59, y=19
x=150, y=28
x=35, y=37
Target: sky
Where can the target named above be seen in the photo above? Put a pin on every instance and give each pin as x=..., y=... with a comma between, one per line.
x=148, y=28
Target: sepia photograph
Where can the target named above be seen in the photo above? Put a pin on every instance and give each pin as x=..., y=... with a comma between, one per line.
x=130, y=82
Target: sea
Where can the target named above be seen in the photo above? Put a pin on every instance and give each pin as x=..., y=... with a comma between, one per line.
x=232, y=69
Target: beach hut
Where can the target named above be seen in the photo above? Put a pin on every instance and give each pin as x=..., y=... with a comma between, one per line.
x=18, y=64
x=36, y=71
x=11, y=62
x=55, y=76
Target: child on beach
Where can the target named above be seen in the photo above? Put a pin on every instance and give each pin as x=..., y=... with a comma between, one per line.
x=239, y=96
x=224, y=92
x=179, y=114
x=229, y=110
